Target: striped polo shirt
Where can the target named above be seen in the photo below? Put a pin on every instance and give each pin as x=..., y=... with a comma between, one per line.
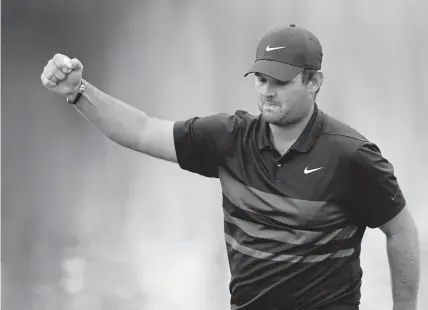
x=293, y=224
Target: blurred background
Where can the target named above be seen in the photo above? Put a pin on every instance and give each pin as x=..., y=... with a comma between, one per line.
x=87, y=224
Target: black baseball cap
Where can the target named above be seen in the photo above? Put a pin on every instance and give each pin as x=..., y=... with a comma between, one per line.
x=284, y=52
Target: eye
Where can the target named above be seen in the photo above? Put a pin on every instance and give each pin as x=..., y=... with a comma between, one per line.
x=280, y=83
x=260, y=79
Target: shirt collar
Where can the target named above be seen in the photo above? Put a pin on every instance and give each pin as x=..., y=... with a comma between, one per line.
x=303, y=142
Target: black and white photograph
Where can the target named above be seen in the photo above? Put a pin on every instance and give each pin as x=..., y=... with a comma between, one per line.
x=214, y=155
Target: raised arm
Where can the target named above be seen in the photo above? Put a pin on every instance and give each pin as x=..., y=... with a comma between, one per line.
x=119, y=121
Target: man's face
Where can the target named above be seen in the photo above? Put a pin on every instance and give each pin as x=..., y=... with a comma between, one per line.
x=282, y=103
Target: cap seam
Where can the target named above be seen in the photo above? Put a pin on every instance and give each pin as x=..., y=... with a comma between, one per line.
x=307, y=67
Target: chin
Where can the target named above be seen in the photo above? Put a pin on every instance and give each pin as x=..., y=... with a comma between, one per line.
x=275, y=118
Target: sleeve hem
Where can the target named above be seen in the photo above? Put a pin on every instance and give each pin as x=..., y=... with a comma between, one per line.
x=397, y=210
x=179, y=138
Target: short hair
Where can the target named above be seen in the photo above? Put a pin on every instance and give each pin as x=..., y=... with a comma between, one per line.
x=307, y=76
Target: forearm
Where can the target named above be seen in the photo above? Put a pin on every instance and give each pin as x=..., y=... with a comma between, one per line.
x=119, y=121
x=403, y=256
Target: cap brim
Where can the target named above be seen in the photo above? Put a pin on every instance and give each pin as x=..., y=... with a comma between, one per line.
x=276, y=70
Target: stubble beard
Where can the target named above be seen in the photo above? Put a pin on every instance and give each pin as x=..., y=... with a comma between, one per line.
x=281, y=118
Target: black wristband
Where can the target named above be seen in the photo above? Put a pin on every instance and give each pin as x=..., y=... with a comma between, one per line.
x=79, y=94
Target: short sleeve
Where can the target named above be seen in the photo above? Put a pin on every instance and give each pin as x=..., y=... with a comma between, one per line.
x=201, y=143
x=377, y=197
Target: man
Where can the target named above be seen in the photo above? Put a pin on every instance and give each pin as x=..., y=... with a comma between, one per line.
x=299, y=187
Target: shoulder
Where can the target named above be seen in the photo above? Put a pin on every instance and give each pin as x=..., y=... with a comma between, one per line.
x=212, y=131
x=341, y=137
x=225, y=121
x=349, y=143
x=245, y=118
x=202, y=142
x=235, y=123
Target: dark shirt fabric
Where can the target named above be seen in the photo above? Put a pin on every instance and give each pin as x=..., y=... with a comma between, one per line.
x=293, y=224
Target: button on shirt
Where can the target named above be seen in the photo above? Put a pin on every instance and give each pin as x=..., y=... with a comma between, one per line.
x=293, y=225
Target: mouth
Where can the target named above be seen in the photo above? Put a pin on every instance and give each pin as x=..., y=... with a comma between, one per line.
x=269, y=104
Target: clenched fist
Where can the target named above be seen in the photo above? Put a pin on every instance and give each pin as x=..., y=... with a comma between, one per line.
x=62, y=75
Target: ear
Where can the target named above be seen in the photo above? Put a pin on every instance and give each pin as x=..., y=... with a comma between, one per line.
x=316, y=81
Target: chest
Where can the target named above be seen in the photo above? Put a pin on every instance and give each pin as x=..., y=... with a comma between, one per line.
x=315, y=176
x=289, y=187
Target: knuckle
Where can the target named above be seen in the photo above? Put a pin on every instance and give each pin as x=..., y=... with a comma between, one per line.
x=59, y=75
x=45, y=81
x=52, y=78
x=58, y=60
x=78, y=62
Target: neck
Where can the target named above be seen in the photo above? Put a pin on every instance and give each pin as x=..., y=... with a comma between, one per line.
x=288, y=134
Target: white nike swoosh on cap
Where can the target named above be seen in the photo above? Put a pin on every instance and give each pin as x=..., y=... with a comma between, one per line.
x=268, y=48
x=306, y=171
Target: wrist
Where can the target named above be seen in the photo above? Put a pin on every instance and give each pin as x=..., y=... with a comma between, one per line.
x=73, y=93
x=74, y=96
